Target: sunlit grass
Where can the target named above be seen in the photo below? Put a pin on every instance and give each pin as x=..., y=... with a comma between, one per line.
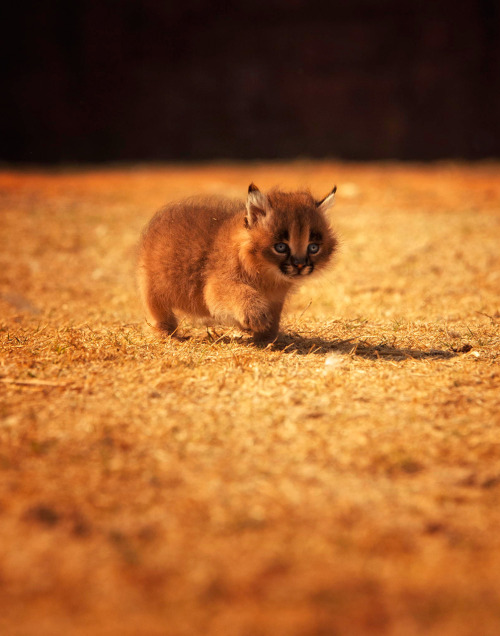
x=345, y=479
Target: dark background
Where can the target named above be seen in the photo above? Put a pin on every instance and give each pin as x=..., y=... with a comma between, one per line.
x=101, y=80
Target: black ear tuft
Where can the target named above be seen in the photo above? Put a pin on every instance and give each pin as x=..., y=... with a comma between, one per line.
x=253, y=188
x=334, y=189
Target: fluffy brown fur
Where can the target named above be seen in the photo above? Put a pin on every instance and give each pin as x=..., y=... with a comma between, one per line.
x=232, y=263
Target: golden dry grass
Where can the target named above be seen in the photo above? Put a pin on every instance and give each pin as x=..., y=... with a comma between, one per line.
x=344, y=481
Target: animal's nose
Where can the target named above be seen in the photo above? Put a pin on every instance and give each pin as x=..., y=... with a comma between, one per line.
x=298, y=262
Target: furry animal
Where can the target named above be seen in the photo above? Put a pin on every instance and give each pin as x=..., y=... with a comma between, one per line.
x=231, y=263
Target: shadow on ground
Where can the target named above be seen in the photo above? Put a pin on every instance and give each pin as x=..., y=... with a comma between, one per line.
x=353, y=346
x=301, y=345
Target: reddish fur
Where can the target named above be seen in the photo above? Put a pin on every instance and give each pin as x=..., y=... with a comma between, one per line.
x=211, y=259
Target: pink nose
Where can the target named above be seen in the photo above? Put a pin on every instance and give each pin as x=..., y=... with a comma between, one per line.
x=298, y=262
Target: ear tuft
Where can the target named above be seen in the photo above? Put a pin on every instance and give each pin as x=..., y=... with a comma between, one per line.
x=325, y=204
x=257, y=205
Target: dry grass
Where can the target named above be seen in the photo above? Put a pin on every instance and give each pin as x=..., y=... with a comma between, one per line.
x=344, y=481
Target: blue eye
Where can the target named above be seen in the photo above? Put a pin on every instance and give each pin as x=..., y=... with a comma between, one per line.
x=313, y=248
x=281, y=248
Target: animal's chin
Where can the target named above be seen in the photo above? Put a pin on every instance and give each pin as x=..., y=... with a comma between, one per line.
x=296, y=274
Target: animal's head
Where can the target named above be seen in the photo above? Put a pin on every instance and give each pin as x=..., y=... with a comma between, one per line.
x=288, y=234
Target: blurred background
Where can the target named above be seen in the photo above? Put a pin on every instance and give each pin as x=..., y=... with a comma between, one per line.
x=138, y=80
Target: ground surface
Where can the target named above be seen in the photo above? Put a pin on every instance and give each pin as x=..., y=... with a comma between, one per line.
x=346, y=481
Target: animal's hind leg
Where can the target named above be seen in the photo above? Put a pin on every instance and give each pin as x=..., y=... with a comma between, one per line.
x=166, y=325
x=160, y=319
x=158, y=312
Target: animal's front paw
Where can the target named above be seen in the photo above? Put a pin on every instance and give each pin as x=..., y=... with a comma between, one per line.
x=257, y=320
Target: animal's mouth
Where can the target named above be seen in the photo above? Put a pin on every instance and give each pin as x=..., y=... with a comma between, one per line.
x=294, y=271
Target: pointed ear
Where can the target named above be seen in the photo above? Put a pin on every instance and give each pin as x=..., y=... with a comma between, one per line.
x=257, y=205
x=325, y=204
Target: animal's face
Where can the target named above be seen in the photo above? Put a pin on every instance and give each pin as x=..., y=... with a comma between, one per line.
x=290, y=237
